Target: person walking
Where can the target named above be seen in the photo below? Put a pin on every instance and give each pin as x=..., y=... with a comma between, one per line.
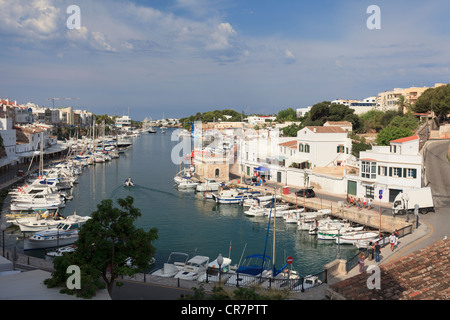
x=369, y=203
x=361, y=262
x=392, y=240
x=377, y=251
x=359, y=204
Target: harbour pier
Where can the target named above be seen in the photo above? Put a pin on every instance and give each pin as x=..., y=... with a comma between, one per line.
x=370, y=218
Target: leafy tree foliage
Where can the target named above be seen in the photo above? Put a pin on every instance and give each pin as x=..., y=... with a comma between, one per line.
x=392, y=133
x=434, y=99
x=105, y=243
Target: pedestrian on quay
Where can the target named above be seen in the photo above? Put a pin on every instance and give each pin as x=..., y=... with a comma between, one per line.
x=352, y=201
x=370, y=250
x=369, y=204
x=377, y=251
x=364, y=202
x=392, y=240
x=396, y=237
x=361, y=262
x=359, y=204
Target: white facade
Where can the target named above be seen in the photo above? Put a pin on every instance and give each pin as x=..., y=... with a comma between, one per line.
x=301, y=112
x=8, y=135
x=123, y=122
x=389, y=169
x=321, y=147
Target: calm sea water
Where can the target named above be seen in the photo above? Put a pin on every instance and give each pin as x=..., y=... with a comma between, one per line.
x=187, y=223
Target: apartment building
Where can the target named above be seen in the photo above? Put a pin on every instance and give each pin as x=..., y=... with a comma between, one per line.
x=389, y=99
x=388, y=169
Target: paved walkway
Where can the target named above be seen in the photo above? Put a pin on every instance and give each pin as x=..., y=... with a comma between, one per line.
x=432, y=227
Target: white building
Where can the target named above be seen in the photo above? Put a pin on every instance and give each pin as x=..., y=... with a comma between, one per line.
x=123, y=122
x=301, y=112
x=8, y=135
x=259, y=120
x=388, y=169
x=319, y=146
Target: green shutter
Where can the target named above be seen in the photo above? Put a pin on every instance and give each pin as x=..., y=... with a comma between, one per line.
x=414, y=172
x=404, y=173
x=390, y=171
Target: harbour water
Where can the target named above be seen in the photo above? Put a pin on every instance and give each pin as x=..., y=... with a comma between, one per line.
x=186, y=222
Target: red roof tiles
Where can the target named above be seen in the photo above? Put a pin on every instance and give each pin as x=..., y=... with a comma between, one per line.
x=421, y=275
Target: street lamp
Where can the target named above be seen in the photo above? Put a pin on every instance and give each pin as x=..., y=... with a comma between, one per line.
x=339, y=241
x=220, y=262
x=3, y=228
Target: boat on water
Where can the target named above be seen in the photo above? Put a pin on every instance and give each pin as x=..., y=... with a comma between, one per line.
x=128, y=183
x=36, y=202
x=187, y=184
x=175, y=263
x=357, y=236
x=332, y=233
x=254, y=266
x=194, y=268
x=216, y=272
x=308, y=282
x=50, y=255
x=151, y=130
x=208, y=186
x=233, y=195
x=65, y=233
x=261, y=211
x=38, y=222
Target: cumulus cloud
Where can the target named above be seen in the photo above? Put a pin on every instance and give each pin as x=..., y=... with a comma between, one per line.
x=29, y=20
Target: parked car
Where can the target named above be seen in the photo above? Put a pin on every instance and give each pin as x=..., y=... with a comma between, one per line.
x=307, y=193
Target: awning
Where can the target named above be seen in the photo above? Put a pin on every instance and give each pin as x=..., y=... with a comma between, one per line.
x=260, y=169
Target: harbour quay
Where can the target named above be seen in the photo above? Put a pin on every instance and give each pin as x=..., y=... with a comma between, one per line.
x=372, y=218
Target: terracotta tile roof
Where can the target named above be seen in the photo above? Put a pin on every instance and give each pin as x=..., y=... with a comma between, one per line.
x=421, y=275
x=415, y=137
x=289, y=144
x=330, y=129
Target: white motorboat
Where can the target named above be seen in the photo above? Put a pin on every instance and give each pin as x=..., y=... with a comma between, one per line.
x=308, y=282
x=175, y=263
x=332, y=233
x=258, y=211
x=208, y=186
x=216, y=272
x=38, y=222
x=357, y=236
x=49, y=255
x=128, y=183
x=37, y=202
x=65, y=233
x=229, y=196
x=187, y=184
x=293, y=216
x=194, y=268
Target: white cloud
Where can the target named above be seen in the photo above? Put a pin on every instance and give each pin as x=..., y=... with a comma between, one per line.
x=221, y=37
x=33, y=21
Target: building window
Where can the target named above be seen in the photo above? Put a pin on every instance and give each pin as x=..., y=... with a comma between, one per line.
x=307, y=148
x=300, y=147
x=368, y=169
x=340, y=149
x=397, y=172
x=412, y=173
x=370, y=192
x=382, y=171
x=217, y=173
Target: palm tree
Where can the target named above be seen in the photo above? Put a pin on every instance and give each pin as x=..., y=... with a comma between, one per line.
x=403, y=105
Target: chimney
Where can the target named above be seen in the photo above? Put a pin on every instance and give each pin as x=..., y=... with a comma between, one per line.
x=315, y=129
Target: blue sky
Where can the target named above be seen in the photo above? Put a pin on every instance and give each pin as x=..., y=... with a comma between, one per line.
x=179, y=57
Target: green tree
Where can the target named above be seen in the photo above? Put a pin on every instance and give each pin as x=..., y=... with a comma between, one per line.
x=434, y=99
x=106, y=242
x=408, y=121
x=287, y=115
x=392, y=133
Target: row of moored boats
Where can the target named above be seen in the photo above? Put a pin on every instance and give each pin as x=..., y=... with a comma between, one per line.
x=35, y=206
